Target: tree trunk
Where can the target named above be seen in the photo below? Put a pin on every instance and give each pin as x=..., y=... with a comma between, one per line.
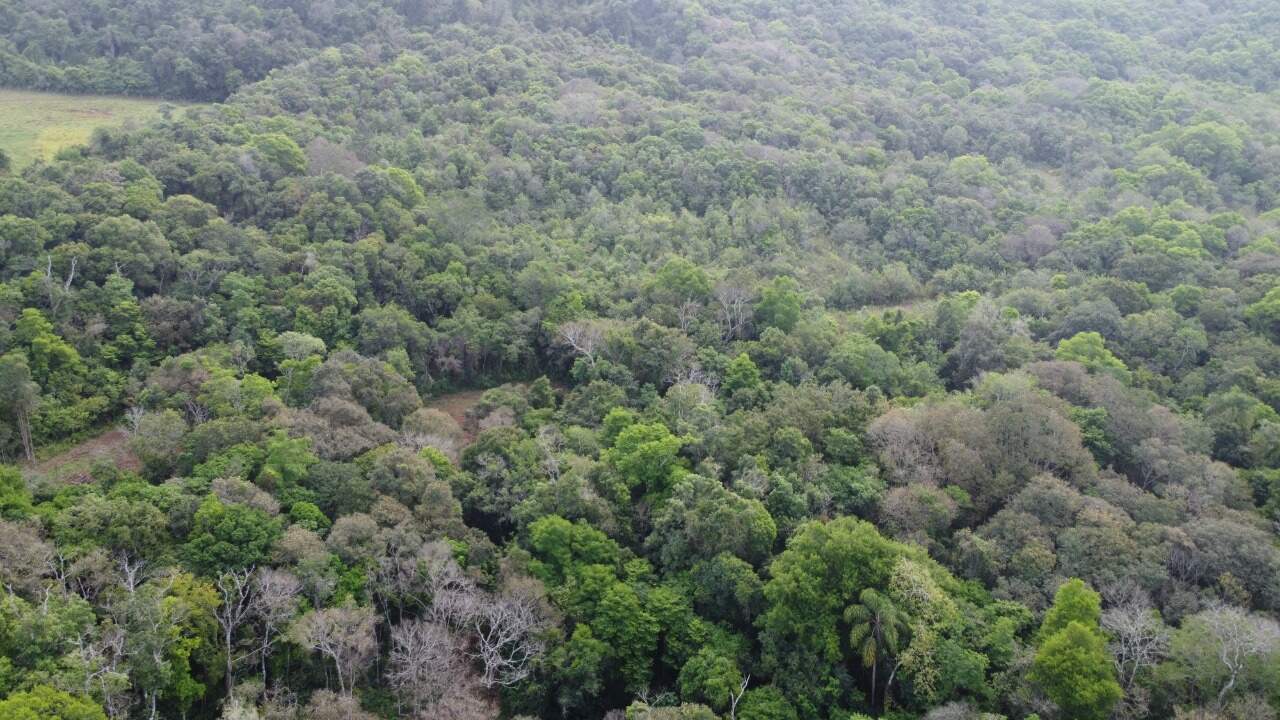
x=884, y=697
x=874, y=665
x=230, y=682
x=1222, y=694
x=24, y=429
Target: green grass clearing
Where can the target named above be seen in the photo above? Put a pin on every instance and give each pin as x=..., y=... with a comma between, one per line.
x=36, y=125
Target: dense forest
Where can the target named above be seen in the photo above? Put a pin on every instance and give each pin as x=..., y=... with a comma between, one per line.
x=821, y=360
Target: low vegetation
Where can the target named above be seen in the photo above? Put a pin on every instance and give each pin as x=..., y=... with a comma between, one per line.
x=36, y=125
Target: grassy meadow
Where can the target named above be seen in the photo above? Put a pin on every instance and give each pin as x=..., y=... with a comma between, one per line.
x=36, y=125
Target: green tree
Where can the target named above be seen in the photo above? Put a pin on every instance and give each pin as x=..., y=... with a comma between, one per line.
x=55, y=364
x=287, y=460
x=20, y=240
x=229, y=537
x=780, y=304
x=1210, y=145
x=630, y=631
x=1073, y=602
x=156, y=441
x=1265, y=314
x=703, y=518
x=309, y=516
x=1089, y=349
x=863, y=363
x=1235, y=416
x=765, y=703
x=823, y=572
x=710, y=676
x=580, y=664
x=741, y=374
x=679, y=280
x=559, y=545
x=876, y=629
x=19, y=397
x=1076, y=672
x=1072, y=664
x=646, y=456
x=282, y=151
x=15, y=498
x=46, y=703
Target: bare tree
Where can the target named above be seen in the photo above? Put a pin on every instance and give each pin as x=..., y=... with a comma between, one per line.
x=507, y=642
x=236, y=589
x=736, y=697
x=687, y=313
x=100, y=652
x=1140, y=638
x=907, y=451
x=197, y=413
x=25, y=557
x=275, y=602
x=1239, y=637
x=424, y=663
x=733, y=309
x=58, y=288
x=429, y=427
x=344, y=635
x=583, y=337
x=22, y=413
x=242, y=356
x=325, y=705
x=692, y=373
x=149, y=638
x=88, y=575
x=454, y=598
x=413, y=574
x=417, y=441
x=550, y=443
x=398, y=577
x=133, y=420
x=132, y=571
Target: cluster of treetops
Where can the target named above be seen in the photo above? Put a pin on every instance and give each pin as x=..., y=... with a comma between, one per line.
x=840, y=360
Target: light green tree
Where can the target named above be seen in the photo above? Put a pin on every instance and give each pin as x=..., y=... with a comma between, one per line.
x=1072, y=664
x=46, y=703
x=1089, y=349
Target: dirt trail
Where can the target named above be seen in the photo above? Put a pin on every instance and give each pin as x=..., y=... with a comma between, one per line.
x=74, y=464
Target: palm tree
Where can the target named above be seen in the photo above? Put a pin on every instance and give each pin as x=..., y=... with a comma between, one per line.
x=876, y=628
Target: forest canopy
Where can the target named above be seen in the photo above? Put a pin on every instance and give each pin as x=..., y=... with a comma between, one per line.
x=669, y=359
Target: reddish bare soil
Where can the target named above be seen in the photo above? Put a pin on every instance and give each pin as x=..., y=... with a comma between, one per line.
x=74, y=464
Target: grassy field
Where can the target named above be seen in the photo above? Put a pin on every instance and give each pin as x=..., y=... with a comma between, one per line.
x=37, y=124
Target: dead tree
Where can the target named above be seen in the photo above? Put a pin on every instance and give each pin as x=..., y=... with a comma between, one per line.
x=583, y=337
x=345, y=636
x=236, y=589
x=424, y=663
x=275, y=602
x=1140, y=638
x=1239, y=638
x=733, y=309
x=507, y=642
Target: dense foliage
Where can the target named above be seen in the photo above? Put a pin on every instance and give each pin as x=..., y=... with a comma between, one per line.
x=910, y=359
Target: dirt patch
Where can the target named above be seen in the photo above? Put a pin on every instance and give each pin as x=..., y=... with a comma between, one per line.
x=74, y=464
x=456, y=405
x=93, y=113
